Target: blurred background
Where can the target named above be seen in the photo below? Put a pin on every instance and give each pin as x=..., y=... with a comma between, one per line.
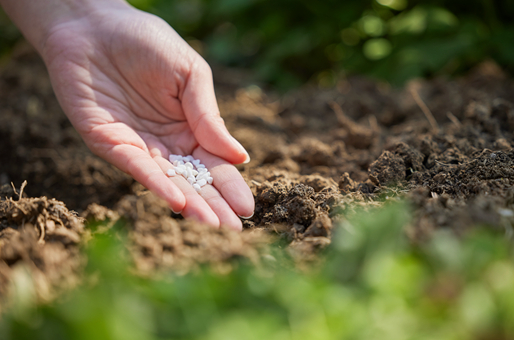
x=289, y=42
x=286, y=43
x=371, y=283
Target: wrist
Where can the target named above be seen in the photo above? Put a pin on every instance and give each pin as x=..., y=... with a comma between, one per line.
x=38, y=19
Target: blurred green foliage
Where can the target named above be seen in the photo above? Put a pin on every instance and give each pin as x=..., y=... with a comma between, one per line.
x=8, y=34
x=372, y=285
x=287, y=42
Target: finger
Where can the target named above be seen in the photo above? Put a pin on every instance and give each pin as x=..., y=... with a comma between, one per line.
x=220, y=207
x=196, y=207
x=144, y=169
x=229, y=182
x=202, y=113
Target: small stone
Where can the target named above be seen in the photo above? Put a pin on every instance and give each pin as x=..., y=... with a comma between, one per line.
x=197, y=187
x=189, y=165
x=209, y=180
x=200, y=166
x=201, y=182
x=191, y=180
x=195, y=173
x=171, y=173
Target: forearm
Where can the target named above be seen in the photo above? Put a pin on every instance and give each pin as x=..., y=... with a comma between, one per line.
x=37, y=18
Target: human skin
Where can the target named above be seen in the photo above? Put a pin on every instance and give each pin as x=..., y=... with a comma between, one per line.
x=136, y=92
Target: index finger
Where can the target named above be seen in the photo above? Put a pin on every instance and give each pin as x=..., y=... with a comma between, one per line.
x=202, y=113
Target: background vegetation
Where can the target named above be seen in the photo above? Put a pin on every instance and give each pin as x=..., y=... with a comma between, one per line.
x=286, y=42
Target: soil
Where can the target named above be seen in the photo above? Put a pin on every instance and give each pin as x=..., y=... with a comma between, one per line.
x=313, y=151
x=42, y=236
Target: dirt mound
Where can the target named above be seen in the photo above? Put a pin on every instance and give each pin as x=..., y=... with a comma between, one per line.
x=366, y=137
x=42, y=236
x=162, y=242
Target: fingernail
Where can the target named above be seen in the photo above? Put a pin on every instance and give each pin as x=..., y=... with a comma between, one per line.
x=240, y=147
x=247, y=217
x=176, y=213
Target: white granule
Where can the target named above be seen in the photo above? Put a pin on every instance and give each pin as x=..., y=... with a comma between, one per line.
x=191, y=169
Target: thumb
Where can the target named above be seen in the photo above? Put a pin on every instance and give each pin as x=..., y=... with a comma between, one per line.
x=201, y=111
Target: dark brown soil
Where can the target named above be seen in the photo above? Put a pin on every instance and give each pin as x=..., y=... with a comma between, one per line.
x=312, y=151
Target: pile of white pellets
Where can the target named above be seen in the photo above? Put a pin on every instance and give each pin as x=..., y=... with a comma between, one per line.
x=191, y=169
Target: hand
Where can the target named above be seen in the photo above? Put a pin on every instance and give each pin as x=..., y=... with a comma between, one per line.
x=136, y=92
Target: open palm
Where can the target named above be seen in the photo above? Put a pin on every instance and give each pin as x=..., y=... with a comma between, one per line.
x=136, y=92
